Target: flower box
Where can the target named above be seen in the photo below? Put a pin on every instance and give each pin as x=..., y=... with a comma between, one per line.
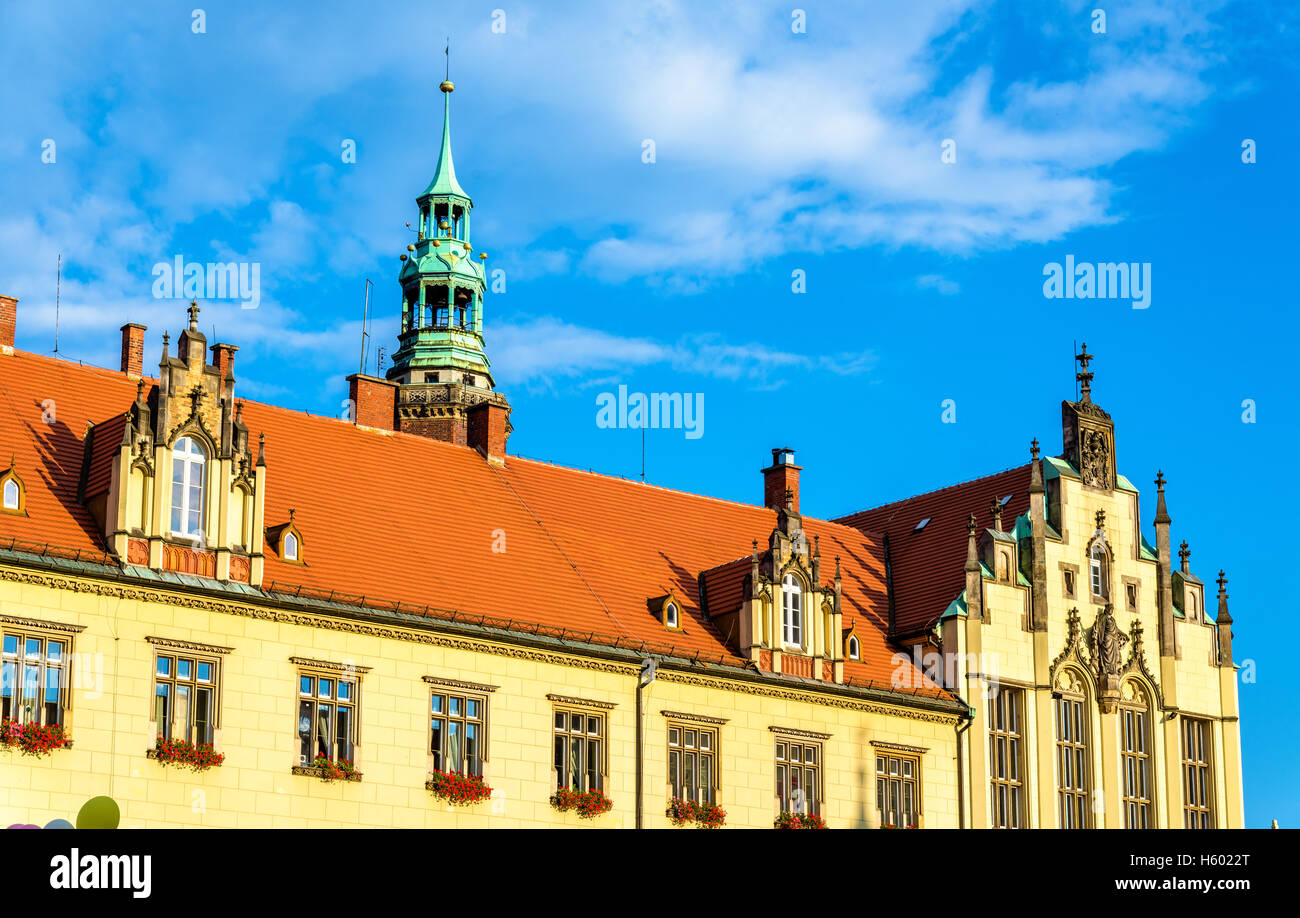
x=800, y=821
x=326, y=770
x=704, y=815
x=198, y=756
x=33, y=739
x=459, y=789
x=586, y=805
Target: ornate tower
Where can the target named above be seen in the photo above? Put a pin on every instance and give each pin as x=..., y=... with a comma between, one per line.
x=440, y=366
x=1088, y=433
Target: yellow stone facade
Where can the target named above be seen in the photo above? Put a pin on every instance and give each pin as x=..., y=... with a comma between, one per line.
x=110, y=708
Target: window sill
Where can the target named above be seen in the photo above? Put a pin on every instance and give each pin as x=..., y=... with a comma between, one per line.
x=312, y=771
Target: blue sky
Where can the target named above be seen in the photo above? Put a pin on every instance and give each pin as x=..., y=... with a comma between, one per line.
x=775, y=152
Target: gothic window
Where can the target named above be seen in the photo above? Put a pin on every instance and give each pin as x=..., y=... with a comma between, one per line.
x=1006, y=750
x=791, y=611
x=189, y=463
x=1135, y=761
x=1072, y=761
x=1198, y=812
x=13, y=495
x=671, y=616
x=290, y=547
x=854, y=648
x=1098, y=570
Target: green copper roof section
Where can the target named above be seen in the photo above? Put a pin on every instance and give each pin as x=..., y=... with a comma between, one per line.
x=444, y=179
x=956, y=608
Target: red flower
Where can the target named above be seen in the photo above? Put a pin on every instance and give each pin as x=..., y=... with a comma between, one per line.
x=460, y=789
x=33, y=738
x=587, y=805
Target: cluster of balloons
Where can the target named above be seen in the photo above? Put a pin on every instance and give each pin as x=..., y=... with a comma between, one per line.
x=95, y=813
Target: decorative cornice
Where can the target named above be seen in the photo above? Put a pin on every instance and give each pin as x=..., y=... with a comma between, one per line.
x=332, y=667
x=582, y=702
x=899, y=747
x=697, y=718
x=458, y=684
x=847, y=703
x=802, y=734
x=39, y=623
x=187, y=645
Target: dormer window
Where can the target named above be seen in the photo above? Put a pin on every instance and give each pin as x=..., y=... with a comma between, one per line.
x=290, y=547
x=189, y=462
x=671, y=616
x=12, y=493
x=854, y=650
x=792, y=611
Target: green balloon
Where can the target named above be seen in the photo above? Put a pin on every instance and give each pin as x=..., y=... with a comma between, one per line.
x=99, y=813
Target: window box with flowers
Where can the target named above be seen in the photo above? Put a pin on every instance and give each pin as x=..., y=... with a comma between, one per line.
x=197, y=756
x=800, y=821
x=704, y=815
x=587, y=805
x=458, y=788
x=327, y=770
x=33, y=738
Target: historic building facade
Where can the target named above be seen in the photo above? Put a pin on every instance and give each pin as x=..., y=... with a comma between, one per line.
x=186, y=577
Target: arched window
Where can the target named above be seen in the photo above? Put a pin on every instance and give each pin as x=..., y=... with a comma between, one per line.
x=290, y=547
x=854, y=651
x=189, y=462
x=13, y=495
x=1099, y=575
x=670, y=615
x=1073, y=759
x=1135, y=755
x=791, y=611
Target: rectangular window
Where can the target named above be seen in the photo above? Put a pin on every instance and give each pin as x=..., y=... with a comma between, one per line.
x=1005, y=759
x=1136, y=763
x=1071, y=763
x=898, y=790
x=692, y=762
x=185, y=697
x=457, y=724
x=33, y=677
x=798, y=776
x=327, y=717
x=1198, y=811
x=579, y=750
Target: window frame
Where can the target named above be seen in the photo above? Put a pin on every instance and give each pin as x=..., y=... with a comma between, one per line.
x=562, y=766
x=1141, y=759
x=197, y=656
x=853, y=648
x=792, y=623
x=18, y=661
x=315, y=671
x=885, y=779
x=1072, y=754
x=7, y=479
x=783, y=788
x=682, y=751
x=1198, y=815
x=186, y=463
x=446, y=692
x=1012, y=782
x=1099, y=569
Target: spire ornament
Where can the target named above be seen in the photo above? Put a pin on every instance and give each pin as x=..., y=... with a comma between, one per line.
x=1083, y=376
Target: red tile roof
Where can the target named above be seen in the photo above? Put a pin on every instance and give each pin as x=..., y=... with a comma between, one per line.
x=402, y=517
x=928, y=567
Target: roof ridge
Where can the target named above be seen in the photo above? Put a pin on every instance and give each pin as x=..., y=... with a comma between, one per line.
x=904, y=500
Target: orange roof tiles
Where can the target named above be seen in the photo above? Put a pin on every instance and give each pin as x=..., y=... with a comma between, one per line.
x=397, y=516
x=927, y=567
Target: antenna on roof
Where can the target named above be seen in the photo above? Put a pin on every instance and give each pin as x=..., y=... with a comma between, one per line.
x=58, y=286
x=365, y=322
x=643, y=453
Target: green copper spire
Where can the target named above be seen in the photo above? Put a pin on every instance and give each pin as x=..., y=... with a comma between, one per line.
x=444, y=178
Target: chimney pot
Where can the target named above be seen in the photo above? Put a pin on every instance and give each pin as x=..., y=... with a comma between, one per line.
x=781, y=481
x=133, y=350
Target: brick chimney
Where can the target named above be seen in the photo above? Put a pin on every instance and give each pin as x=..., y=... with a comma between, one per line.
x=133, y=350
x=778, y=478
x=8, y=323
x=488, y=424
x=223, y=358
x=374, y=401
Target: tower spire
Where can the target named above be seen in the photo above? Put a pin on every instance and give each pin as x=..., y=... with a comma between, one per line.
x=1084, y=377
